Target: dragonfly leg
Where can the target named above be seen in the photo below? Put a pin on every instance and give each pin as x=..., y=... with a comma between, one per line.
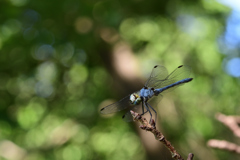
x=153, y=111
x=148, y=110
x=143, y=112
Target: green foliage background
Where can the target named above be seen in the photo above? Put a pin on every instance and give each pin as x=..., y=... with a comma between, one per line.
x=60, y=62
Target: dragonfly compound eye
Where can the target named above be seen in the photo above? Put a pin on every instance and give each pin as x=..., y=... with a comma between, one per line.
x=135, y=99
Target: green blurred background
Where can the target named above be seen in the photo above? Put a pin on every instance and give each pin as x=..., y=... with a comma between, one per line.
x=63, y=60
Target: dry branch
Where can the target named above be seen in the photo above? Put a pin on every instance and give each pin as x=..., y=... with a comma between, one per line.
x=158, y=135
x=232, y=123
x=224, y=145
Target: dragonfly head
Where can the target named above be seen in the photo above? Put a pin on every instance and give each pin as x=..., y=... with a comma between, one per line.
x=135, y=99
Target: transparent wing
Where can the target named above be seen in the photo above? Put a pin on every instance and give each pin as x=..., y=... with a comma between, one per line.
x=182, y=72
x=159, y=73
x=127, y=117
x=117, y=106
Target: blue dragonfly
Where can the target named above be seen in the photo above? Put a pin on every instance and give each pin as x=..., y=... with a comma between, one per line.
x=159, y=82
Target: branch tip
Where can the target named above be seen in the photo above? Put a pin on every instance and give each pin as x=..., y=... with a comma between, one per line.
x=190, y=156
x=151, y=127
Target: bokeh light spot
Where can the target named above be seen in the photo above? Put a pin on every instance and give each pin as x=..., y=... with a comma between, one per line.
x=109, y=35
x=104, y=142
x=72, y=152
x=29, y=115
x=66, y=52
x=30, y=33
x=83, y=25
x=44, y=52
x=43, y=89
x=30, y=18
x=82, y=135
x=35, y=138
x=191, y=25
x=9, y=28
x=147, y=30
x=233, y=67
x=46, y=72
x=80, y=56
x=19, y=3
x=11, y=151
x=78, y=74
x=127, y=28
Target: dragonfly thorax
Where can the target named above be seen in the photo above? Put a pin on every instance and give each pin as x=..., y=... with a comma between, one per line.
x=147, y=93
x=135, y=99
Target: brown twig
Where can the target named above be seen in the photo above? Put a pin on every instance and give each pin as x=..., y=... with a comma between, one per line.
x=224, y=145
x=158, y=135
x=231, y=122
x=190, y=156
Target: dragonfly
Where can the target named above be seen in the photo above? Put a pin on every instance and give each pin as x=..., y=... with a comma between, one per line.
x=158, y=83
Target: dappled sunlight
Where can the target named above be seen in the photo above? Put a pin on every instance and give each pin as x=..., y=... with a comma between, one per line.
x=9, y=28
x=109, y=35
x=83, y=25
x=28, y=116
x=126, y=144
x=124, y=62
x=61, y=63
x=43, y=52
x=193, y=26
x=11, y=151
x=77, y=78
x=62, y=134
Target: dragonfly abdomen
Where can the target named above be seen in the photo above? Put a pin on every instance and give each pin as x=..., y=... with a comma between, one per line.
x=157, y=91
